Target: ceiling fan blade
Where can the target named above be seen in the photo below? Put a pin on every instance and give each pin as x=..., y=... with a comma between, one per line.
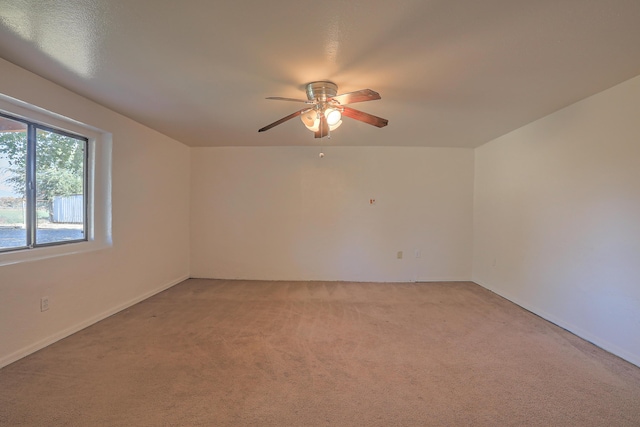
x=357, y=96
x=323, y=129
x=280, y=98
x=364, y=117
x=284, y=119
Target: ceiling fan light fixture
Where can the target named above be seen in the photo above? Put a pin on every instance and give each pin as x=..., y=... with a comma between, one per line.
x=311, y=119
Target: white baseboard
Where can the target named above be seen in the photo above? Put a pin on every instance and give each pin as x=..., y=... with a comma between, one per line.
x=442, y=279
x=23, y=352
x=415, y=280
x=598, y=341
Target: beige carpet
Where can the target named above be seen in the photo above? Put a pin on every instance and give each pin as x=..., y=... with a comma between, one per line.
x=216, y=353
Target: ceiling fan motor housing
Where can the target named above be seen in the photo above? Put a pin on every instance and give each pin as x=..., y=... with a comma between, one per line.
x=321, y=90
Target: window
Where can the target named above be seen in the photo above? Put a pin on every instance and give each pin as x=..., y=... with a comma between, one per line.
x=43, y=185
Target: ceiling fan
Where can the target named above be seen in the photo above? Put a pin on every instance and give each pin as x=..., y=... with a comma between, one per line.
x=325, y=108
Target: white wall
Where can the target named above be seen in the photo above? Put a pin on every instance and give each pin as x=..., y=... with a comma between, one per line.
x=284, y=213
x=557, y=218
x=150, y=250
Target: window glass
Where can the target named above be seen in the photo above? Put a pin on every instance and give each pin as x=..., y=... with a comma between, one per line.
x=60, y=201
x=13, y=158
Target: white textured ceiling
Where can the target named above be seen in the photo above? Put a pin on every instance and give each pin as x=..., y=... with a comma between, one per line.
x=450, y=73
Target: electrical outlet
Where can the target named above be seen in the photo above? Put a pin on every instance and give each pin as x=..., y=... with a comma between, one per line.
x=399, y=255
x=44, y=303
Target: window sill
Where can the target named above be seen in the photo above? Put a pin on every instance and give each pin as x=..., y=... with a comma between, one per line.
x=42, y=253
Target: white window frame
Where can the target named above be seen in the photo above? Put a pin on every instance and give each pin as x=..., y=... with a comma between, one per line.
x=99, y=233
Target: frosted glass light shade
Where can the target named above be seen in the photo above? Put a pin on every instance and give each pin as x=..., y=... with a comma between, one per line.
x=333, y=116
x=335, y=126
x=311, y=120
